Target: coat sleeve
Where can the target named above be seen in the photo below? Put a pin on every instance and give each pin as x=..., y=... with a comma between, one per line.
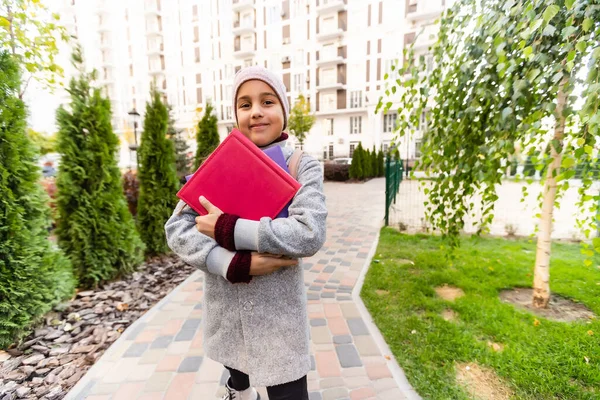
x=303, y=232
x=194, y=247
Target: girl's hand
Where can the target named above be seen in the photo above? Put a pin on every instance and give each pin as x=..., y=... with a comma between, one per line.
x=206, y=223
x=264, y=264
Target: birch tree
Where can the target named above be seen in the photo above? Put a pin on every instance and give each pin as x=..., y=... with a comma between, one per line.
x=506, y=72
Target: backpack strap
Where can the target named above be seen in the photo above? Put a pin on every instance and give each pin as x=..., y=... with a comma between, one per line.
x=294, y=163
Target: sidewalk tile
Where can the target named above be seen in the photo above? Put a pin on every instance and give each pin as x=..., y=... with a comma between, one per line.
x=180, y=387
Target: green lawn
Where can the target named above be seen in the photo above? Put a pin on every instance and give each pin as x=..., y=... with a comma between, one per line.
x=547, y=361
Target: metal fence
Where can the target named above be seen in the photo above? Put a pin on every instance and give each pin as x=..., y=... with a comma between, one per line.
x=393, y=178
x=513, y=213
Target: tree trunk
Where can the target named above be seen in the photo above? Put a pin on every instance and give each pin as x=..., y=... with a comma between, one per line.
x=541, y=273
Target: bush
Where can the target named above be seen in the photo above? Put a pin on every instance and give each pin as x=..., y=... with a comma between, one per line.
x=34, y=275
x=95, y=228
x=356, y=167
x=207, y=136
x=158, y=177
x=337, y=172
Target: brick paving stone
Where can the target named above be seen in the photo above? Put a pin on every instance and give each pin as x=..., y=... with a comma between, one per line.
x=348, y=356
x=384, y=384
x=152, y=356
x=180, y=387
x=335, y=394
x=179, y=347
x=349, y=310
x=320, y=334
x=141, y=373
x=328, y=295
x=128, y=391
x=329, y=269
x=119, y=373
x=338, y=326
x=357, y=382
x=190, y=364
x=312, y=296
x=342, y=339
x=331, y=383
x=161, y=342
x=99, y=397
x=171, y=327
x=147, y=336
x=159, y=381
x=327, y=364
x=357, y=327
x=318, y=322
x=352, y=372
x=185, y=334
x=377, y=371
x=362, y=393
x=169, y=363
x=366, y=346
x=105, y=388
x=136, y=350
x=332, y=310
x=151, y=396
x=315, y=396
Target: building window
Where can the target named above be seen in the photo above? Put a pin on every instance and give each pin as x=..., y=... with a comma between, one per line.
x=328, y=101
x=356, y=99
x=198, y=95
x=418, y=145
x=429, y=62
x=130, y=69
x=198, y=79
x=389, y=122
x=228, y=71
x=386, y=147
x=355, y=125
x=299, y=57
x=196, y=34
x=328, y=126
x=298, y=82
x=197, y=54
x=424, y=120
x=227, y=94
x=248, y=63
x=352, y=148
x=325, y=153
x=228, y=113
x=330, y=151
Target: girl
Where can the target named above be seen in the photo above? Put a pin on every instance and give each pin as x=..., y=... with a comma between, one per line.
x=255, y=316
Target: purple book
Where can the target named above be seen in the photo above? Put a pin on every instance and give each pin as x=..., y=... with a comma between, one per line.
x=276, y=154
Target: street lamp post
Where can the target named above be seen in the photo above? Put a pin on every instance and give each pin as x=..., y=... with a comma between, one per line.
x=134, y=147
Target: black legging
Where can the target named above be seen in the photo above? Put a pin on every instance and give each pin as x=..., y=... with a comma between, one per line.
x=296, y=390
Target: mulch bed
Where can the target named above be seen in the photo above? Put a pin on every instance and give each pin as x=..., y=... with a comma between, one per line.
x=68, y=341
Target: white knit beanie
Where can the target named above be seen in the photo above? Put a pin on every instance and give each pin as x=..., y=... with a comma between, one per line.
x=257, y=72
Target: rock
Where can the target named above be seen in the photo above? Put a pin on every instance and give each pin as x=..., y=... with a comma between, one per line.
x=37, y=380
x=82, y=349
x=50, y=379
x=73, y=317
x=14, y=352
x=86, y=293
x=8, y=387
x=34, y=359
x=54, y=334
x=41, y=349
x=76, y=331
x=23, y=391
x=66, y=338
x=42, y=371
x=9, y=396
x=58, y=351
x=54, y=393
x=41, y=332
x=16, y=376
x=29, y=343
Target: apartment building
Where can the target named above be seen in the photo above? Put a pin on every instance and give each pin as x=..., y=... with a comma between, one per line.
x=334, y=52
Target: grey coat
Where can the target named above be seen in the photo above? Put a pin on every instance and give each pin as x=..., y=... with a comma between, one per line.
x=260, y=328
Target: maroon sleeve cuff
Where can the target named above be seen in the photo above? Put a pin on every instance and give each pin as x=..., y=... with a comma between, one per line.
x=225, y=230
x=239, y=268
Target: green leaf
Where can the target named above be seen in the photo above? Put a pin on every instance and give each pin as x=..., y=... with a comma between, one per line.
x=550, y=12
x=581, y=46
x=587, y=24
x=4, y=23
x=527, y=51
x=567, y=162
x=506, y=112
x=569, y=4
x=385, y=76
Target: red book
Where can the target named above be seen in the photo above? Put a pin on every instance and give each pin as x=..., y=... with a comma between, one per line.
x=240, y=179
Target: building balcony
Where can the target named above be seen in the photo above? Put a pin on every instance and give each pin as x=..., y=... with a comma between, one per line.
x=331, y=34
x=330, y=86
x=156, y=50
x=156, y=70
x=331, y=60
x=105, y=45
x=103, y=27
x=244, y=52
x=107, y=63
x=152, y=10
x=425, y=10
x=153, y=30
x=240, y=30
x=328, y=6
x=239, y=5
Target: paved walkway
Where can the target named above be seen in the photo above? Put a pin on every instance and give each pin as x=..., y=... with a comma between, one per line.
x=160, y=356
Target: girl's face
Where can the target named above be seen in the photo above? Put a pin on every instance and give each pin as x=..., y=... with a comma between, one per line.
x=259, y=112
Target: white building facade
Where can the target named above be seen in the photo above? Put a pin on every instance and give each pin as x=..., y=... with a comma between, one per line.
x=334, y=52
